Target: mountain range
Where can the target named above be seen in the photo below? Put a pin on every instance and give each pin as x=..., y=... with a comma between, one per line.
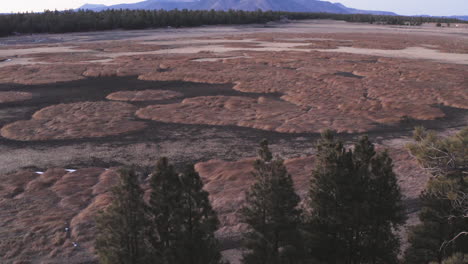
x=247, y=5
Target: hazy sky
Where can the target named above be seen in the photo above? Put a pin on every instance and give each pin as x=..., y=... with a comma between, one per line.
x=412, y=7
x=403, y=7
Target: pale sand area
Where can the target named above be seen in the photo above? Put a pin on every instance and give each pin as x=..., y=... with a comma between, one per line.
x=213, y=39
x=408, y=53
x=262, y=46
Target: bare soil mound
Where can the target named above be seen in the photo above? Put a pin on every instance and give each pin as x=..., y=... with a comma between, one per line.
x=76, y=120
x=12, y=96
x=145, y=95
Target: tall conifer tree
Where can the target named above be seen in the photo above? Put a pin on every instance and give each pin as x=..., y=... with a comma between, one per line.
x=199, y=244
x=120, y=228
x=354, y=203
x=384, y=198
x=165, y=212
x=183, y=222
x=272, y=213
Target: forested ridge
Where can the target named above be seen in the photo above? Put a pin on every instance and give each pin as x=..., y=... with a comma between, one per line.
x=87, y=20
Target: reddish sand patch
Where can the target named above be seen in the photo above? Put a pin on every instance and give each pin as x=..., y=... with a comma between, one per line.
x=146, y=95
x=77, y=120
x=11, y=96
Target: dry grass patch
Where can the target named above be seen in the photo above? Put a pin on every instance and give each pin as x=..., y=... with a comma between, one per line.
x=77, y=120
x=146, y=95
x=12, y=96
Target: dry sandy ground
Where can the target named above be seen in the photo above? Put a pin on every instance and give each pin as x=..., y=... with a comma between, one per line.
x=206, y=95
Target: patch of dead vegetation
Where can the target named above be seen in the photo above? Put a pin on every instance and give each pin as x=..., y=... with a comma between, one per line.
x=34, y=220
x=146, y=95
x=12, y=96
x=76, y=120
x=41, y=73
x=394, y=41
x=37, y=208
x=262, y=113
x=62, y=57
x=390, y=90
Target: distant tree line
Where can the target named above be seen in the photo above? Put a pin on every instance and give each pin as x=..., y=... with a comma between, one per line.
x=87, y=20
x=351, y=214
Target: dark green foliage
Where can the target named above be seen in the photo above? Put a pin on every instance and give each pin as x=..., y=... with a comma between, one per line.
x=120, y=228
x=198, y=244
x=354, y=203
x=444, y=201
x=182, y=222
x=86, y=20
x=272, y=213
x=427, y=239
x=165, y=212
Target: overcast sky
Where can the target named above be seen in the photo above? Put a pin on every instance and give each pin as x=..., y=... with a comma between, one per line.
x=412, y=7
x=403, y=7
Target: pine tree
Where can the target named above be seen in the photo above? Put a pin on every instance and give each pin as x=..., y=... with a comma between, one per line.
x=444, y=201
x=272, y=213
x=387, y=212
x=198, y=245
x=330, y=200
x=183, y=222
x=354, y=203
x=165, y=212
x=427, y=238
x=120, y=228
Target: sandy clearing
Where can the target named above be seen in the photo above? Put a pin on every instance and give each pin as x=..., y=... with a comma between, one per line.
x=193, y=46
x=21, y=52
x=408, y=53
